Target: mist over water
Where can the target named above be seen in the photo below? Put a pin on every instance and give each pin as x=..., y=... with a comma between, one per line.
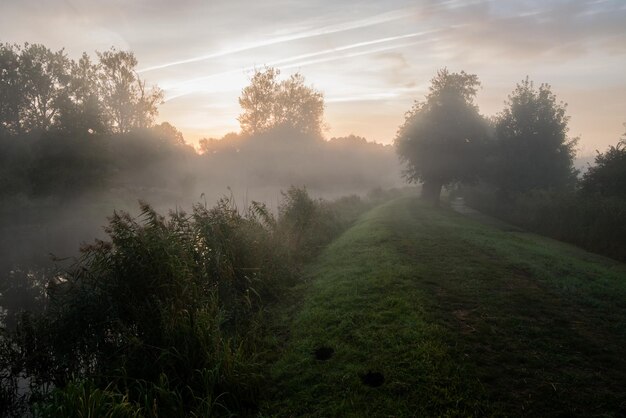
x=245, y=169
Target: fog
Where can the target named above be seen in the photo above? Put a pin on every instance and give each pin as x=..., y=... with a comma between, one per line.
x=143, y=273
x=80, y=141
x=70, y=209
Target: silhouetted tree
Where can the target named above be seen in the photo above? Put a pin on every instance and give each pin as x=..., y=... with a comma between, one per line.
x=257, y=101
x=33, y=87
x=169, y=133
x=127, y=102
x=11, y=97
x=84, y=111
x=45, y=77
x=442, y=138
x=608, y=176
x=268, y=103
x=533, y=149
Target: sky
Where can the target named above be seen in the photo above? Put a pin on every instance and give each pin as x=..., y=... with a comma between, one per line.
x=371, y=59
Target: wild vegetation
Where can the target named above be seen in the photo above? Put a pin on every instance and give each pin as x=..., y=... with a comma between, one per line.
x=457, y=318
x=165, y=316
x=517, y=166
x=235, y=307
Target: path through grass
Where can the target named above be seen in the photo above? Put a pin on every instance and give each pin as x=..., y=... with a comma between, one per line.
x=459, y=318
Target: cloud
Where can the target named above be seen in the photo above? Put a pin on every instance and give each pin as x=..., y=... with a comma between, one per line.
x=555, y=30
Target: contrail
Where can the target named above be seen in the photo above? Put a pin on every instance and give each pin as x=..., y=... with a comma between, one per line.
x=352, y=46
x=305, y=63
x=354, y=54
x=326, y=30
x=311, y=55
x=387, y=94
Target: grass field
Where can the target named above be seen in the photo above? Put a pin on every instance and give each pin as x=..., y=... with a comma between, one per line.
x=422, y=312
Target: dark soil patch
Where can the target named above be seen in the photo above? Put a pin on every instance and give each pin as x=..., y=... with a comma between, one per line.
x=373, y=379
x=323, y=353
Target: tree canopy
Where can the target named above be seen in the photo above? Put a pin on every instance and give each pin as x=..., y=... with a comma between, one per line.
x=268, y=103
x=126, y=100
x=442, y=138
x=42, y=90
x=608, y=176
x=533, y=149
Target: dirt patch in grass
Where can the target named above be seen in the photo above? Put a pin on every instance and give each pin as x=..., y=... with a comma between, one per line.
x=372, y=379
x=323, y=353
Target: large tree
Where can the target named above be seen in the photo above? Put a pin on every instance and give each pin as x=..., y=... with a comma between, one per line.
x=442, y=138
x=44, y=90
x=11, y=97
x=268, y=103
x=84, y=109
x=533, y=149
x=33, y=86
x=128, y=103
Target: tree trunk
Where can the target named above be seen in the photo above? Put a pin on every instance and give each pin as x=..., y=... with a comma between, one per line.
x=431, y=191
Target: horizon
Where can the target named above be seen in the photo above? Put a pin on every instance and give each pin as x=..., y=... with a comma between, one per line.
x=371, y=60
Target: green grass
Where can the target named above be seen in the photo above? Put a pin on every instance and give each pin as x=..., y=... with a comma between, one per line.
x=462, y=319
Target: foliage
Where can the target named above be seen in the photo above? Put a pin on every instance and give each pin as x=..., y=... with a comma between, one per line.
x=81, y=399
x=532, y=147
x=126, y=100
x=11, y=98
x=268, y=103
x=304, y=224
x=83, y=110
x=596, y=224
x=42, y=90
x=166, y=316
x=21, y=291
x=442, y=138
x=33, y=84
x=608, y=176
x=44, y=79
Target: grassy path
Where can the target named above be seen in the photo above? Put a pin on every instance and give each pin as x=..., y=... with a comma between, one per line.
x=459, y=318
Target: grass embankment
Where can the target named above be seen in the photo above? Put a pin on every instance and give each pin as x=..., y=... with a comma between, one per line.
x=459, y=318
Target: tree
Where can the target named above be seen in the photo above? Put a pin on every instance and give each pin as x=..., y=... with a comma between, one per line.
x=45, y=76
x=532, y=147
x=608, y=176
x=83, y=111
x=11, y=97
x=168, y=133
x=33, y=87
x=257, y=102
x=268, y=104
x=127, y=102
x=442, y=138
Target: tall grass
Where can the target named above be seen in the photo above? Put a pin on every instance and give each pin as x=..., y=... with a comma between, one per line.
x=165, y=317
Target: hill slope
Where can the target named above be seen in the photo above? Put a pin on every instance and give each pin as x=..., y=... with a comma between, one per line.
x=422, y=312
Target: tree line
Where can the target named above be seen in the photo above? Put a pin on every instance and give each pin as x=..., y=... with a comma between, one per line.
x=43, y=90
x=517, y=165
x=445, y=140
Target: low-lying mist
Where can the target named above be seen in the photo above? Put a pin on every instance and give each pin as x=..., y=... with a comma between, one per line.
x=70, y=185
